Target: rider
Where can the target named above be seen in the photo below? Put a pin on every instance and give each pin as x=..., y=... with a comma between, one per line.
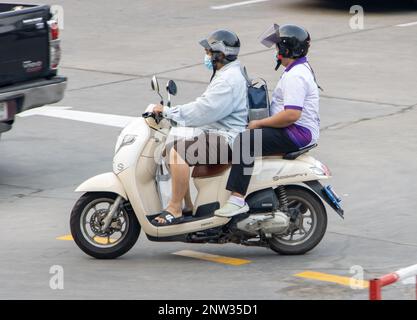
x=294, y=122
x=221, y=114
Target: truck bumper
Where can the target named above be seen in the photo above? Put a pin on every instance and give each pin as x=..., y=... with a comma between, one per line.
x=30, y=95
x=36, y=93
x=4, y=127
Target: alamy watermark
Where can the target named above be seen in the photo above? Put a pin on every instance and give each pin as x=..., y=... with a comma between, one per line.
x=357, y=281
x=357, y=21
x=56, y=281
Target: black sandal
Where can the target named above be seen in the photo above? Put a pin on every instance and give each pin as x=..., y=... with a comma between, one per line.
x=187, y=212
x=168, y=217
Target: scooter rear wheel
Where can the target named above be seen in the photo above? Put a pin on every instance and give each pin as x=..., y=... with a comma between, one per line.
x=86, y=220
x=309, y=228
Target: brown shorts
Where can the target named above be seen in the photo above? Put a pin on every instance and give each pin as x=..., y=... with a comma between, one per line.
x=207, y=148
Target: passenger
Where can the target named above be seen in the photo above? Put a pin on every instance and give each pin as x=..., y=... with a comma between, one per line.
x=294, y=122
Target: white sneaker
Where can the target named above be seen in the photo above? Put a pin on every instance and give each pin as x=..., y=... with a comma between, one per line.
x=231, y=209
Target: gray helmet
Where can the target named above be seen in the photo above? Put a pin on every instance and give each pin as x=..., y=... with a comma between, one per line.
x=223, y=41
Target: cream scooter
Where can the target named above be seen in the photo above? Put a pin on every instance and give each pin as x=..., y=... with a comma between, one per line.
x=287, y=213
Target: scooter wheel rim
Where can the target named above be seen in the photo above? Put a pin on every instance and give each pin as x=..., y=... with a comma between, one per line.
x=312, y=216
x=97, y=240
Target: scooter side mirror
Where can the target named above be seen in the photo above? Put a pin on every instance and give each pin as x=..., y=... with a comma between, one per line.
x=172, y=87
x=155, y=84
x=155, y=87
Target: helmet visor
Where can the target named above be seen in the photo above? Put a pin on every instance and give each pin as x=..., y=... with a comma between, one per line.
x=270, y=36
x=204, y=43
x=220, y=46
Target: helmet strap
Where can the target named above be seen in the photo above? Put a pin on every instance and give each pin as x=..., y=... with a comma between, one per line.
x=279, y=61
x=214, y=60
x=213, y=74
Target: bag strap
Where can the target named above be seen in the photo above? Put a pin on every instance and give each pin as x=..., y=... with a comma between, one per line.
x=250, y=83
x=314, y=75
x=245, y=75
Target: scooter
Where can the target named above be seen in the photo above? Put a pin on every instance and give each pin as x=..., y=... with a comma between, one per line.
x=286, y=199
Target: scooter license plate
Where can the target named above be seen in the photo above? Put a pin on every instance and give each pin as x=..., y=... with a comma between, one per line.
x=3, y=111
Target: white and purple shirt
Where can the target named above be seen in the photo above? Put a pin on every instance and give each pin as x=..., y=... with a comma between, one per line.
x=297, y=89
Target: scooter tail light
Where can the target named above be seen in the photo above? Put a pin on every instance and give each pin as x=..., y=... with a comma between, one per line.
x=326, y=170
x=321, y=169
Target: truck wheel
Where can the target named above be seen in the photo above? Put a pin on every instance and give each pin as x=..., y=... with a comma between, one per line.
x=86, y=220
x=308, y=229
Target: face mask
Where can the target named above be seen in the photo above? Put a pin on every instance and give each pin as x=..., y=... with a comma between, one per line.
x=207, y=62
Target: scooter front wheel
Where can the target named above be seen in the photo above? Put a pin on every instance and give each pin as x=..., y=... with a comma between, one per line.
x=86, y=222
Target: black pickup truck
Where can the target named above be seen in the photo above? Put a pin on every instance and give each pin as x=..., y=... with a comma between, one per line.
x=29, y=58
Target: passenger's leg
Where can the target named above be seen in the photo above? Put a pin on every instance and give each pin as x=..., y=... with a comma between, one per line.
x=269, y=141
x=242, y=165
x=239, y=177
x=251, y=145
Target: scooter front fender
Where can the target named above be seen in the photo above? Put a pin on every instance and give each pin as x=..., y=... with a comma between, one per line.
x=106, y=182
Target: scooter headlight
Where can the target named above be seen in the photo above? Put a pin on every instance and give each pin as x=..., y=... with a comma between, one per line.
x=127, y=140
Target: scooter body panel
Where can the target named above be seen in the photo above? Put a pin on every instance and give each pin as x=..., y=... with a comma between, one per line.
x=274, y=171
x=127, y=151
x=105, y=182
x=137, y=153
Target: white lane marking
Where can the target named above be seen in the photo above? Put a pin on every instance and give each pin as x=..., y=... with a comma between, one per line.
x=407, y=24
x=106, y=119
x=36, y=111
x=236, y=4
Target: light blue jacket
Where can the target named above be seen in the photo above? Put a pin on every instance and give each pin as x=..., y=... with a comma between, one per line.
x=222, y=107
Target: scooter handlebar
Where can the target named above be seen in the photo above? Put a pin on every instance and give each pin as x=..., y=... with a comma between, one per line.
x=157, y=117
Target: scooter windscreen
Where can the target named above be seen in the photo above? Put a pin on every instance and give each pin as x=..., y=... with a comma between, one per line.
x=270, y=36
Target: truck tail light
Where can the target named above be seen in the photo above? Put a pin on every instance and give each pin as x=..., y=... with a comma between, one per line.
x=54, y=45
x=53, y=30
x=55, y=55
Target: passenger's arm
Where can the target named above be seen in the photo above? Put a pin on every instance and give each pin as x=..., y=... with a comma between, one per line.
x=281, y=119
x=294, y=92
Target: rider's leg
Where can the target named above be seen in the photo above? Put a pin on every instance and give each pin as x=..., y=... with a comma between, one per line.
x=205, y=149
x=188, y=203
x=180, y=174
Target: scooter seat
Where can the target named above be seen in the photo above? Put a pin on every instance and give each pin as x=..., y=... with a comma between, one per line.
x=294, y=155
x=212, y=170
x=209, y=170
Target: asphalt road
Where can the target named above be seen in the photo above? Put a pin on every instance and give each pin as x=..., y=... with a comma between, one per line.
x=110, y=50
